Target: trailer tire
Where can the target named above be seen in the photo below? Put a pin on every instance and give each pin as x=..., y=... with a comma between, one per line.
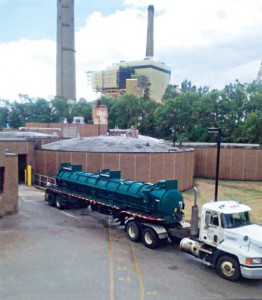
x=50, y=198
x=150, y=238
x=60, y=202
x=83, y=204
x=133, y=231
x=228, y=268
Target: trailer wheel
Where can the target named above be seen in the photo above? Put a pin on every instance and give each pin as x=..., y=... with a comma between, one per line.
x=60, y=202
x=228, y=268
x=150, y=238
x=50, y=198
x=133, y=231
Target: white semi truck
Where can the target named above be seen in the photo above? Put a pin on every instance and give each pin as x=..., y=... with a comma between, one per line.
x=226, y=240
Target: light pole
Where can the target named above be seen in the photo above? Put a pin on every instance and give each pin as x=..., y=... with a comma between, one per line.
x=218, y=132
x=174, y=128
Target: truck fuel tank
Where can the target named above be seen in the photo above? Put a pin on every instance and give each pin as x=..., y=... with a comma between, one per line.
x=193, y=247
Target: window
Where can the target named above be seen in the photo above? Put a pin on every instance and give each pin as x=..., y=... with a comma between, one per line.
x=212, y=218
x=2, y=172
x=235, y=220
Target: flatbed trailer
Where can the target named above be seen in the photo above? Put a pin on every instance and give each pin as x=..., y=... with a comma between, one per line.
x=137, y=224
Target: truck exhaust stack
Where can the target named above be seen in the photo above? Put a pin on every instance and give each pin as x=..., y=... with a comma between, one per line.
x=194, y=216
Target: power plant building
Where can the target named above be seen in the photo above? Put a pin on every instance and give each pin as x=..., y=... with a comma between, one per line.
x=148, y=73
x=143, y=77
x=65, y=57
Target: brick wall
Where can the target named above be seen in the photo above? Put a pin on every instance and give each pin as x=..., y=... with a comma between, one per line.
x=235, y=163
x=148, y=167
x=19, y=147
x=9, y=195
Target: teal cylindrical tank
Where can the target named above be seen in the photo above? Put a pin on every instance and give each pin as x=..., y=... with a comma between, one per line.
x=161, y=199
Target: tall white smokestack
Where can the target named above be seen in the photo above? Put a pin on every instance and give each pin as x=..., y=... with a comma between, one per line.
x=150, y=32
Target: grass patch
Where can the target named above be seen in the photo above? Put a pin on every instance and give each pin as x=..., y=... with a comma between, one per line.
x=247, y=192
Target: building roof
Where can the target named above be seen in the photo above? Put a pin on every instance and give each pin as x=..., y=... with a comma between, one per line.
x=18, y=135
x=145, y=63
x=223, y=145
x=112, y=144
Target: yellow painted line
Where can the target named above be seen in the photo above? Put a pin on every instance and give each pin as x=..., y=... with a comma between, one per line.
x=111, y=263
x=138, y=272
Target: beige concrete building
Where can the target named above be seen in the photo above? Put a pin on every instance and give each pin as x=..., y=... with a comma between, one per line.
x=149, y=74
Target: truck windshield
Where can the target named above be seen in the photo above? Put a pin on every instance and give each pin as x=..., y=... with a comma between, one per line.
x=235, y=220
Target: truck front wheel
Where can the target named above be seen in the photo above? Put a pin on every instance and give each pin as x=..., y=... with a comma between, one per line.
x=228, y=268
x=150, y=238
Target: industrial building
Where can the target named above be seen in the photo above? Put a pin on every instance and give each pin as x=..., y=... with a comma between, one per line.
x=141, y=78
x=133, y=77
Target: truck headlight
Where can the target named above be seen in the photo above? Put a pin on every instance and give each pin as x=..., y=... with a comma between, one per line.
x=253, y=261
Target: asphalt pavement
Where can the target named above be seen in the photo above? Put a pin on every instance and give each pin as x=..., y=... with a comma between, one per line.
x=76, y=254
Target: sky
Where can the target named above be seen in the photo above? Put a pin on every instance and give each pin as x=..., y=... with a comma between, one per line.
x=209, y=42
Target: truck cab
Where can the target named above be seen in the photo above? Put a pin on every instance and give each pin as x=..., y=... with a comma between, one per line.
x=227, y=241
x=218, y=217
x=226, y=226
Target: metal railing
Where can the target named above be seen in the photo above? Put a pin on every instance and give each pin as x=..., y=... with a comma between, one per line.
x=42, y=180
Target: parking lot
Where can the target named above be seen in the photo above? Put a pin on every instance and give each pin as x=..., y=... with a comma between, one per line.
x=76, y=254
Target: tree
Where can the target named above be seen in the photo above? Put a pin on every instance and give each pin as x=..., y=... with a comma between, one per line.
x=82, y=108
x=186, y=86
x=170, y=93
x=59, y=109
x=185, y=116
x=164, y=119
x=251, y=129
x=17, y=115
x=40, y=111
x=126, y=111
x=146, y=118
x=4, y=113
